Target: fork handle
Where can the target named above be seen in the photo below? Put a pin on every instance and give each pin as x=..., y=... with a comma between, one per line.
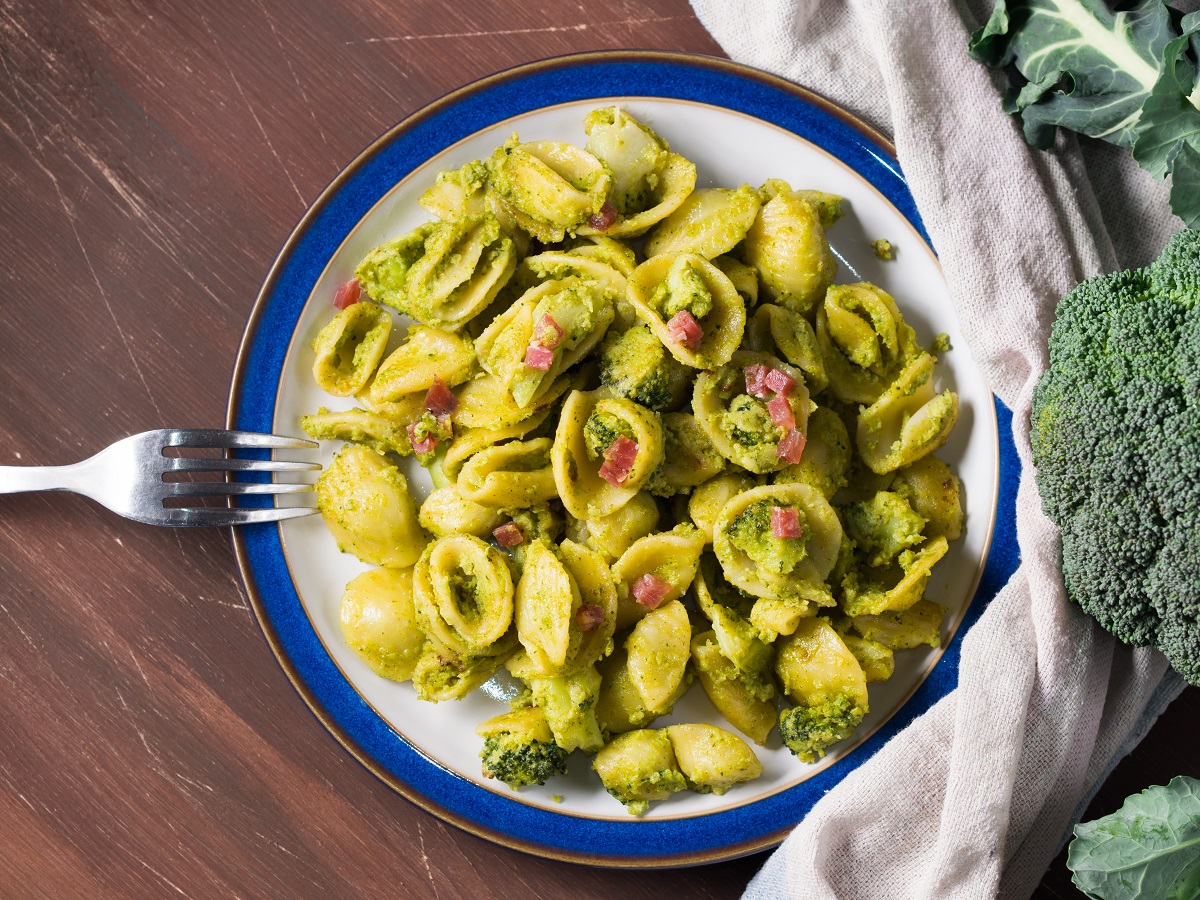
x=20, y=479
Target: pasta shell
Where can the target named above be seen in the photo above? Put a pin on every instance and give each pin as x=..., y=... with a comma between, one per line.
x=709, y=222
x=669, y=283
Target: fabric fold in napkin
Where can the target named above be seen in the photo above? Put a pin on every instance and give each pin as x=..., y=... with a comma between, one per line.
x=976, y=796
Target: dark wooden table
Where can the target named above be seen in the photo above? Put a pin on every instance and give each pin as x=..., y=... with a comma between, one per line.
x=154, y=155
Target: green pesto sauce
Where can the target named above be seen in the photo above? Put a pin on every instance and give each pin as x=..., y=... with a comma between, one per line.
x=750, y=532
x=601, y=429
x=464, y=588
x=883, y=526
x=683, y=288
x=883, y=249
x=748, y=423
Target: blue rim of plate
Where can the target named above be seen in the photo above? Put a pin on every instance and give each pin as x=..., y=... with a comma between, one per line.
x=632, y=843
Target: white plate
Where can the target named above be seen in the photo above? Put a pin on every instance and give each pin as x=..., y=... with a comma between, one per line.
x=729, y=148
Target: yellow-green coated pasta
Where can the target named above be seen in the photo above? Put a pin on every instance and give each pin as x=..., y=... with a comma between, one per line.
x=707, y=500
x=469, y=441
x=788, y=569
x=827, y=455
x=738, y=425
x=919, y=624
x=426, y=354
x=577, y=306
x=464, y=597
x=549, y=187
x=485, y=402
x=712, y=759
x=689, y=457
x=671, y=555
x=709, y=222
x=909, y=420
x=748, y=712
x=441, y=273
x=366, y=505
x=649, y=182
x=547, y=599
x=638, y=768
x=348, y=349
x=814, y=665
x=584, y=493
x=809, y=512
x=864, y=341
x=613, y=534
x=787, y=245
x=446, y=512
x=659, y=648
x=358, y=426
x=796, y=342
x=379, y=622
x=516, y=475
x=934, y=493
x=670, y=283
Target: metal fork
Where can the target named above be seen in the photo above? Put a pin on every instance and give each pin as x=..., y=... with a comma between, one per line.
x=129, y=477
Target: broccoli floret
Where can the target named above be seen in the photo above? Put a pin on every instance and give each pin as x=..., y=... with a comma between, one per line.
x=635, y=364
x=1116, y=445
x=518, y=762
x=808, y=730
x=883, y=526
x=519, y=748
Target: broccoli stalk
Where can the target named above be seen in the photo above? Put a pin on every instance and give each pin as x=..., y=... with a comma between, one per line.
x=1116, y=445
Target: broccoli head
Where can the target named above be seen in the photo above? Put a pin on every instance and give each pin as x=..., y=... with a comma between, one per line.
x=519, y=748
x=1116, y=446
x=808, y=730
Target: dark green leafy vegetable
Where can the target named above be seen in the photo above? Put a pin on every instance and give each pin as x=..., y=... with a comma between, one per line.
x=1116, y=447
x=1149, y=848
x=1128, y=77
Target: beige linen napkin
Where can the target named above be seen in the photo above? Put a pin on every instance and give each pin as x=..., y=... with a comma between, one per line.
x=975, y=797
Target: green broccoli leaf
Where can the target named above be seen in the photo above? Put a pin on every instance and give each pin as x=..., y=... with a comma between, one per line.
x=1170, y=119
x=1185, y=185
x=1088, y=68
x=1149, y=848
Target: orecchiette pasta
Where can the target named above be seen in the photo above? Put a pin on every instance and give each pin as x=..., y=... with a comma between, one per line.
x=589, y=426
x=787, y=245
x=863, y=340
x=443, y=273
x=515, y=475
x=550, y=188
x=711, y=221
x=743, y=428
x=566, y=317
x=379, y=622
x=382, y=434
x=366, y=505
x=671, y=286
x=636, y=482
x=464, y=597
x=427, y=354
x=348, y=349
x=764, y=565
x=615, y=533
x=649, y=182
x=908, y=421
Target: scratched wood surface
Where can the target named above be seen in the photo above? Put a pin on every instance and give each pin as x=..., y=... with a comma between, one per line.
x=153, y=157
